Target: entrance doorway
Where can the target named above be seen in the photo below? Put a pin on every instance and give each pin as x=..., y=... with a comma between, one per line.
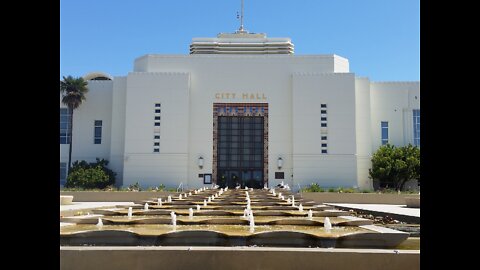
x=240, y=146
x=240, y=151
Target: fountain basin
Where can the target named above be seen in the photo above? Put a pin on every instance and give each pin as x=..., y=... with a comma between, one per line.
x=230, y=235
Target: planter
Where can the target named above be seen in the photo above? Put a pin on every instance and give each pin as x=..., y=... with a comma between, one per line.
x=66, y=199
x=412, y=202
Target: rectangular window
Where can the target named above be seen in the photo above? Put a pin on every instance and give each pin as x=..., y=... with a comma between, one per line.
x=324, y=124
x=65, y=126
x=279, y=175
x=384, y=126
x=324, y=145
x=323, y=119
x=323, y=105
x=324, y=151
x=156, y=133
x=63, y=173
x=323, y=111
x=416, y=127
x=97, y=132
x=324, y=138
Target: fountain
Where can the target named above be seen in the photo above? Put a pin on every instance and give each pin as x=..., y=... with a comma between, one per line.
x=180, y=196
x=327, y=225
x=209, y=199
x=145, y=207
x=310, y=214
x=169, y=199
x=159, y=201
x=174, y=219
x=129, y=212
x=279, y=224
x=252, y=223
x=190, y=193
x=100, y=223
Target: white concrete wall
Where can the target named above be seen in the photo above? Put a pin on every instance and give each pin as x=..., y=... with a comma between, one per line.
x=338, y=167
x=117, y=145
x=393, y=102
x=171, y=89
x=98, y=106
x=363, y=132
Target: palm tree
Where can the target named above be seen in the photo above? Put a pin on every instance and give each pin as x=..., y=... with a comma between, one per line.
x=73, y=90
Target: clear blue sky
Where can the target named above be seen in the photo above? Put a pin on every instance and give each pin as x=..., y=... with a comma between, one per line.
x=381, y=38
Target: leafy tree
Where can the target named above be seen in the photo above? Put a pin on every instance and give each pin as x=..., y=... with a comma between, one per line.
x=84, y=167
x=73, y=91
x=394, y=166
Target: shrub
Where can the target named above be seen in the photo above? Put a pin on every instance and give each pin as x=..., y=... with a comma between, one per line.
x=134, y=187
x=314, y=187
x=332, y=189
x=88, y=178
x=83, y=166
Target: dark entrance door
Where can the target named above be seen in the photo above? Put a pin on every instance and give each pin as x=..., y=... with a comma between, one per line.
x=240, y=151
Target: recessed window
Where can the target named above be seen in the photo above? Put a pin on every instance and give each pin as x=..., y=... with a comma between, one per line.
x=157, y=117
x=416, y=127
x=65, y=126
x=324, y=151
x=324, y=137
x=157, y=111
x=324, y=124
x=323, y=111
x=157, y=105
x=323, y=105
x=156, y=137
x=63, y=173
x=324, y=145
x=157, y=124
x=97, y=136
x=384, y=130
x=156, y=144
x=156, y=150
x=323, y=119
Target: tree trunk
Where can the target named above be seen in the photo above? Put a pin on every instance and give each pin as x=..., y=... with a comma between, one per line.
x=71, y=141
x=402, y=183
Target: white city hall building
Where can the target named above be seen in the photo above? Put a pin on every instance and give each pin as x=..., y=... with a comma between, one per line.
x=240, y=109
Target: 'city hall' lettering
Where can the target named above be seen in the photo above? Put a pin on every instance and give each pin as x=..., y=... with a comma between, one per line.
x=243, y=96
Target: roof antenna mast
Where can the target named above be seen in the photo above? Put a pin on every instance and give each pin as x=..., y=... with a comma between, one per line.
x=241, y=29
